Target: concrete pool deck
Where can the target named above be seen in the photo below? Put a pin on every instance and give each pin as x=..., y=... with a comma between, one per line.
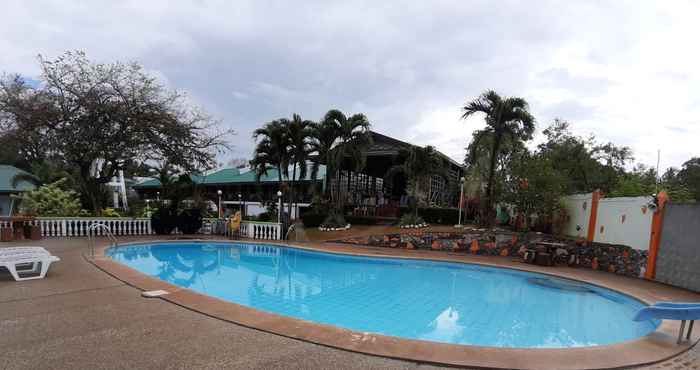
x=80, y=317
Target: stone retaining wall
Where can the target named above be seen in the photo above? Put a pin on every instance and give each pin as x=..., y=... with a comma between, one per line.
x=619, y=259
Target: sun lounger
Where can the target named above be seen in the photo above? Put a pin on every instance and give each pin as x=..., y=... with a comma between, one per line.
x=672, y=311
x=22, y=250
x=35, y=264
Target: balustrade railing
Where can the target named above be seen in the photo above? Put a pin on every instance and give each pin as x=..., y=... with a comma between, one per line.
x=80, y=226
x=69, y=226
x=248, y=229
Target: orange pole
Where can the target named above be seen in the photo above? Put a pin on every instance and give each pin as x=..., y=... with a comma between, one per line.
x=594, y=215
x=656, y=226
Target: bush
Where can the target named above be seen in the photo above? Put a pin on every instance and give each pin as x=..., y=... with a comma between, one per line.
x=163, y=221
x=110, y=212
x=410, y=219
x=438, y=216
x=311, y=219
x=189, y=221
x=51, y=200
x=334, y=220
x=361, y=220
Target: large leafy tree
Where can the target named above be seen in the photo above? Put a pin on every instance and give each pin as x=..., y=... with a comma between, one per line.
x=689, y=176
x=507, y=118
x=534, y=187
x=419, y=165
x=97, y=119
x=587, y=164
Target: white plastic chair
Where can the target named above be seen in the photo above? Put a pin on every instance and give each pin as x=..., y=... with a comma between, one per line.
x=22, y=250
x=39, y=263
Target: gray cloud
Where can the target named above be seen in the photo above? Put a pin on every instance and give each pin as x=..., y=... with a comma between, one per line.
x=407, y=65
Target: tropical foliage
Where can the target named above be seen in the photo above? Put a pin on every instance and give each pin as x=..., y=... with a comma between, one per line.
x=506, y=119
x=337, y=142
x=419, y=165
x=51, y=200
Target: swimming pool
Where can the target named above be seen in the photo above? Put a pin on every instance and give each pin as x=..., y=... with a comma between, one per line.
x=416, y=299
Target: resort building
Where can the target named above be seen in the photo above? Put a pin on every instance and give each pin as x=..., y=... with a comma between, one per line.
x=367, y=192
x=8, y=203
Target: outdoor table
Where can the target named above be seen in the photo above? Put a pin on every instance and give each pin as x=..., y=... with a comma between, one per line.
x=543, y=253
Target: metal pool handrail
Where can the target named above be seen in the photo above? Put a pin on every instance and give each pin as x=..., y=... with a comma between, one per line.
x=91, y=239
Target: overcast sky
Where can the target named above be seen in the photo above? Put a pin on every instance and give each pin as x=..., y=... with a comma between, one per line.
x=625, y=71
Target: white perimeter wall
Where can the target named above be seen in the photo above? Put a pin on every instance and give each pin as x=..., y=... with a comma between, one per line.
x=578, y=208
x=624, y=221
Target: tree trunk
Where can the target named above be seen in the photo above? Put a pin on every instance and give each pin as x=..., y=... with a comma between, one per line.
x=487, y=218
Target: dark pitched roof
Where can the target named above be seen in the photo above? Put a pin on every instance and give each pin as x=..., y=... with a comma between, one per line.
x=386, y=145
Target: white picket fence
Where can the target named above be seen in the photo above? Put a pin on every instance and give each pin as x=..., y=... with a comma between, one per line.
x=122, y=226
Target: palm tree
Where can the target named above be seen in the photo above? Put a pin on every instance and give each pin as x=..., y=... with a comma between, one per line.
x=419, y=165
x=271, y=150
x=352, y=137
x=299, y=133
x=324, y=135
x=505, y=118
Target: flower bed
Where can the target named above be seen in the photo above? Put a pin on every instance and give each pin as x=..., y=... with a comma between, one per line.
x=619, y=259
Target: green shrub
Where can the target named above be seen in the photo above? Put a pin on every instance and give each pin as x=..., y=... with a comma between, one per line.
x=163, y=221
x=435, y=215
x=334, y=220
x=51, y=200
x=110, y=212
x=361, y=220
x=189, y=221
x=311, y=219
x=410, y=219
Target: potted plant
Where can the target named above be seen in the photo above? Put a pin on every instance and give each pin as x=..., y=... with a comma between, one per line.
x=32, y=232
x=6, y=234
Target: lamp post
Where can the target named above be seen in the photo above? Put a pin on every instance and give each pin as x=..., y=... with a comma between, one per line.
x=219, y=192
x=461, y=200
x=157, y=196
x=279, y=206
x=240, y=205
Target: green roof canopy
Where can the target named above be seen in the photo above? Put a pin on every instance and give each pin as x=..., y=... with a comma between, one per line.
x=232, y=176
x=7, y=173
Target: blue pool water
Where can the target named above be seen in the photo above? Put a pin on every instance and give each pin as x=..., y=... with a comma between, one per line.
x=426, y=300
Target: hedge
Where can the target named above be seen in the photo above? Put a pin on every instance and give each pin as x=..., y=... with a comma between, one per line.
x=434, y=215
x=311, y=219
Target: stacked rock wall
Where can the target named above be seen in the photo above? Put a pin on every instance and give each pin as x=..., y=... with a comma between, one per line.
x=619, y=259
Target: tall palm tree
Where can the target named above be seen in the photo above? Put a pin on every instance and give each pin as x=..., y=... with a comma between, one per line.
x=324, y=136
x=299, y=133
x=419, y=165
x=271, y=149
x=507, y=117
x=352, y=139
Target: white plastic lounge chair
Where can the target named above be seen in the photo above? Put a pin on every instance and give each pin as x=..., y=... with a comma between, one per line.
x=36, y=264
x=22, y=250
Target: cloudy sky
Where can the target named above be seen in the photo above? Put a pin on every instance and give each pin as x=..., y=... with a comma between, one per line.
x=626, y=71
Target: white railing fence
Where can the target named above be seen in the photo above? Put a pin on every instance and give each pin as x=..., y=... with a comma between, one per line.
x=122, y=226
x=249, y=229
x=70, y=226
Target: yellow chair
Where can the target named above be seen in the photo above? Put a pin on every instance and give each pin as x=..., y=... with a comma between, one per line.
x=235, y=223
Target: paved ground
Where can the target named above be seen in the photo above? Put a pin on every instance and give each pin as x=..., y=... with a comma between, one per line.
x=81, y=318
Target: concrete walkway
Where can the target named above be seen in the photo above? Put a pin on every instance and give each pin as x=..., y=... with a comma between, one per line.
x=81, y=318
